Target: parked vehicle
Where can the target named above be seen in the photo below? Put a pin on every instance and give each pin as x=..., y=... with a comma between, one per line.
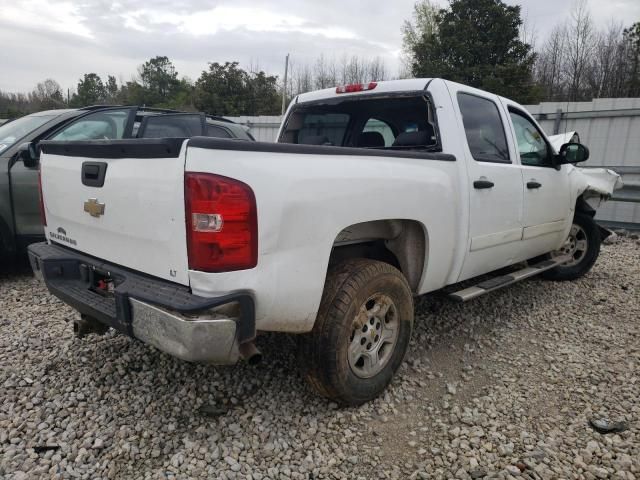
x=375, y=193
x=20, y=222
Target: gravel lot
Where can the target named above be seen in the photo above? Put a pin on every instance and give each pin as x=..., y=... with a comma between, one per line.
x=500, y=387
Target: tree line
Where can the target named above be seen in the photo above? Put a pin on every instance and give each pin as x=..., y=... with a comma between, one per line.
x=487, y=44
x=481, y=43
x=224, y=89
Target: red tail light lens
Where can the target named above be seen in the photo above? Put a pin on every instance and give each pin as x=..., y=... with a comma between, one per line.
x=43, y=214
x=222, y=223
x=356, y=87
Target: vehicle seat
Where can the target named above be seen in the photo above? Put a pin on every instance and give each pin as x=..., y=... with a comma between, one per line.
x=416, y=139
x=371, y=140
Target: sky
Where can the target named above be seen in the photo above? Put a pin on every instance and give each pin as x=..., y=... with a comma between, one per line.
x=63, y=39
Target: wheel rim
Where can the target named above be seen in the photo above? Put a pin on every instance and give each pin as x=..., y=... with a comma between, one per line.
x=374, y=336
x=575, y=246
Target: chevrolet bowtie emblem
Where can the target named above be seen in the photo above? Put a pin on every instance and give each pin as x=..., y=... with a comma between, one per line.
x=93, y=207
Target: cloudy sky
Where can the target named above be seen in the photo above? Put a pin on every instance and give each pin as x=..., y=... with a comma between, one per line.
x=62, y=39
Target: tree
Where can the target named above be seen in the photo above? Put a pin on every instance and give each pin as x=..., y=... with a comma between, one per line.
x=111, y=89
x=632, y=48
x=159, y=79
x=219, y=90
x=264, y=95
x=90, y=91
x=477, y=43
x=580, y=45
x=422, y=26
x=227, y=89
x=48, y=95
x=549, y=65
x=324, y=73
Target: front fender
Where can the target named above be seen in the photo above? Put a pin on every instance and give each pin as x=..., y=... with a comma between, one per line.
x=594, y=182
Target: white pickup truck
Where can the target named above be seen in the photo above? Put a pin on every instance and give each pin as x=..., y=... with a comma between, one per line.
x=373, y=194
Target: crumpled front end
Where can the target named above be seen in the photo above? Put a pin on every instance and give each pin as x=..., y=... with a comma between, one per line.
x=594, y=184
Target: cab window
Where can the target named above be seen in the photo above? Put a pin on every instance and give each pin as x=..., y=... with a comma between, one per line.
x=532, y=147
x=101, y=125
x=483, y=128
x=323, y=129
x=396, y=123
x=375, y=134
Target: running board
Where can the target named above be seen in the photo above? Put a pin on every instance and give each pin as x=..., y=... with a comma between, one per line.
x=505, y=280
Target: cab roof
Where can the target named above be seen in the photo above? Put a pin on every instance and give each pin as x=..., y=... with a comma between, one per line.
x=408, y=85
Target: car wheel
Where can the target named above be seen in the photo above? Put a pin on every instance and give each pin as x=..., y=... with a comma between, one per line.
x=582, y=244
x=361, y=333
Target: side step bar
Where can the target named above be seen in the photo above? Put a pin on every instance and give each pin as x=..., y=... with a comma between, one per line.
x=498, y=282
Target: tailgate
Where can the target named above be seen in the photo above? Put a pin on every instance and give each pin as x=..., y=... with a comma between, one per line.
x=119, y=200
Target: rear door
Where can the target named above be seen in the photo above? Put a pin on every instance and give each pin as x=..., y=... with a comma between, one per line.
x=495, y=182
x=173, y=125
x=121, y=201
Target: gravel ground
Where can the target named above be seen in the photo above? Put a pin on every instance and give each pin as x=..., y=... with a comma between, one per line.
x=501, y=387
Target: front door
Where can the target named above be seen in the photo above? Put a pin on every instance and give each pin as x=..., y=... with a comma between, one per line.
x=495, y=183
x=546, y=189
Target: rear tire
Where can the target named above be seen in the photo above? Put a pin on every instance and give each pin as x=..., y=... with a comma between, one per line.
x=361, y=333
x=583, y=244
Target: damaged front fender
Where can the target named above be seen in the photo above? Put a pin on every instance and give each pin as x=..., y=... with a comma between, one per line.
x=591, y=187
x=594, y=183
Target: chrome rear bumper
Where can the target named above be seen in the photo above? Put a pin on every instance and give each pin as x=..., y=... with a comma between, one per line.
x=160, y=313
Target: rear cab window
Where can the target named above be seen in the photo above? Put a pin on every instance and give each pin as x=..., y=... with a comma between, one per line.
x=389, y=123
x=323, y=128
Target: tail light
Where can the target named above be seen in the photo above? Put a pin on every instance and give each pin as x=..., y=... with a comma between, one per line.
x=222, y=223
x=356, y=87
x=43, y=215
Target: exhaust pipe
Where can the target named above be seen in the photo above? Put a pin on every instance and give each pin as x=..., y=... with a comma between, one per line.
x=250, y=353
x=87, y=325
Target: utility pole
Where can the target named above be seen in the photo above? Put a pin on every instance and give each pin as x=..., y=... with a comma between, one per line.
x=284, y=86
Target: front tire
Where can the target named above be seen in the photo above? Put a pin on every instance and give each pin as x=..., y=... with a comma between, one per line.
x=361, y=333
x=583, y=244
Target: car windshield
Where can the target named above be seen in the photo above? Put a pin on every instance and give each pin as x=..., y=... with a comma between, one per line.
x=13, y=131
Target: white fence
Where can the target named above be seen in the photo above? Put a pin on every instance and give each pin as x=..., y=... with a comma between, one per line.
x=610, y=127
x=263, y=128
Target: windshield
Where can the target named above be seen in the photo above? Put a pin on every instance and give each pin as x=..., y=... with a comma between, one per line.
x=13, y=131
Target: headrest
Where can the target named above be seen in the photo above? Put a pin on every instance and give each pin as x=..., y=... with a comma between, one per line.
x=371, y=140
x=415, y=139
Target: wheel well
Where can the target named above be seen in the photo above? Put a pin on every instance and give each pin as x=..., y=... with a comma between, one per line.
x=583, y=206
x=6, y=238
x=401, y=243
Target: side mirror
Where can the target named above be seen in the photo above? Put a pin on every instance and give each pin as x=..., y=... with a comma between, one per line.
x=28, y=153
x=572, y=153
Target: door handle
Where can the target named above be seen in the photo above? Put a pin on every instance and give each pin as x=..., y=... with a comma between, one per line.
x=93, y=173
x=532, y=184
x=481, y=184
